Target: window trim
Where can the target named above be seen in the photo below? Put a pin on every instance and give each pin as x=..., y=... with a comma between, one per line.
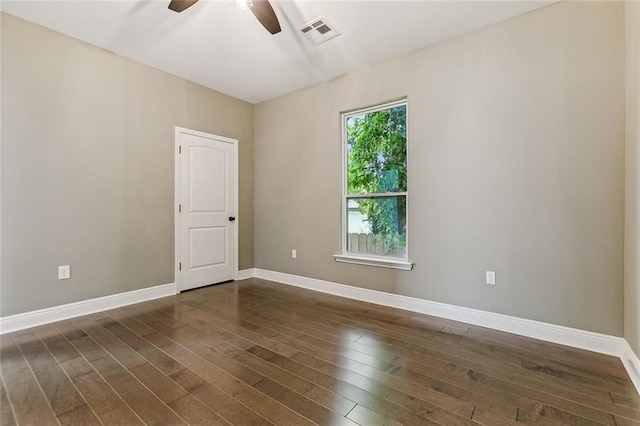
x=346, y=256
x=372, y=260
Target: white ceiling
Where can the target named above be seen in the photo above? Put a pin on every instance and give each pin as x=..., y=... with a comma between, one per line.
x=224, y=48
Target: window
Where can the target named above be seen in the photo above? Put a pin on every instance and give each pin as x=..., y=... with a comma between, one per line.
x=374, y=190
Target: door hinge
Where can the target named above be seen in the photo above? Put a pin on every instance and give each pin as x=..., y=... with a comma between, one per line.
x=179, y=149
x=180, y=266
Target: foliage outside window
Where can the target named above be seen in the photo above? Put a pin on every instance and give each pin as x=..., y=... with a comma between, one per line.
x=375, y=181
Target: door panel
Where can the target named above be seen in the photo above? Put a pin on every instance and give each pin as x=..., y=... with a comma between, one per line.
x=207, y=180
x=207, y=247
x=206, y=197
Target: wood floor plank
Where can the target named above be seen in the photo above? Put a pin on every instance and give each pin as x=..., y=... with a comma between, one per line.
x=239, y=390
x=407, y=387
x=57, y=387
x=253, y=334
x=524, y=417
x=529, y=360
x=189, y=380
x=364, y=416
x=621, y=421
x=145, y=404
x=349, y=391
x=509, y=411
x=264, y=353
x=222, y=362
x=195, y=412
x=498, y=372
x=587, y=360
x=143, y=347
x=490, y=418
x=237, y=385
x=377, y=359
x=364, y=370
x=331, y=400
x=122, y=317
x=112, y=345
x=158, y=383
x=508, y=392
x=85, y=345
x=371, y=315
x=6, y=411
x=434, y=336
x=387, y=393
x=81, y=415
x=274, y=373
x=59, y=346
x=210, y=340
x=27, y=399
x=446, y=371
x=339, y=339
x=158, y=339
x=107, y=405
x=536, y=364
x=228, y=407
x=272, y=410
x=500, y=391
x=300, y=404
x=481, y=398
x=515, y=338
x=221, y=335
x=208, y=371
x=626, y=401
x=76, y=367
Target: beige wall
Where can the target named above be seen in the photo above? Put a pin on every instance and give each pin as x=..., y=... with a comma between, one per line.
x=87, y=167
x=632, y=198
x=516, y=166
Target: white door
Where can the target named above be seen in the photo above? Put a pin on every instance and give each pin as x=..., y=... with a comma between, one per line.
x=206, y=203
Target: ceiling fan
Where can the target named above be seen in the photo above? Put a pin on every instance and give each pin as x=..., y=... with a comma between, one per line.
x=261, y=9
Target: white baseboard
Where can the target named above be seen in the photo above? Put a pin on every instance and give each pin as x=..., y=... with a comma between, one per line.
x=582, y=339
x=596, y=342
x=539, y=330
x=631, y=364
x=71, y=310
x=246, y=274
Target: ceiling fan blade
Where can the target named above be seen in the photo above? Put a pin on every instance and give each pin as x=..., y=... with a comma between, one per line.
x=264, y=12
x=180, y=5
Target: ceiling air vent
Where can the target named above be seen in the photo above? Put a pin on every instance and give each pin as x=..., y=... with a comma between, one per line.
x=318, y=31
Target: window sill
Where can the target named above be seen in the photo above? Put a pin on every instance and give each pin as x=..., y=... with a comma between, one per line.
x=380, y=261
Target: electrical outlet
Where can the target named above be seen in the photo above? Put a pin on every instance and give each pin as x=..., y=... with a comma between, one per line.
x=491, y=278
x=294, y=254
x=64, y=272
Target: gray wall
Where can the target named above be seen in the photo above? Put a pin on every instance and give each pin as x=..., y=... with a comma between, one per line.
x=632, y=198
x=516, y=165
x=87, y=167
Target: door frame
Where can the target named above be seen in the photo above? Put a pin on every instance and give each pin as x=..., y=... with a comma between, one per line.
x=176, y=201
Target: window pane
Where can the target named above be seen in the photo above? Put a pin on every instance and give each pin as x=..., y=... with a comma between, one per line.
x=377, y=225
x=377, y=151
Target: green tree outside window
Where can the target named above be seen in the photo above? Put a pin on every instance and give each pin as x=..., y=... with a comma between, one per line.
x=377, y=166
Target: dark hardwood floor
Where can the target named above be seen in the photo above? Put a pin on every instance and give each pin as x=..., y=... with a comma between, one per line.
x=258, y=353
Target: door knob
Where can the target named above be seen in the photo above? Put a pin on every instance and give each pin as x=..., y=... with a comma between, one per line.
x=232, y=218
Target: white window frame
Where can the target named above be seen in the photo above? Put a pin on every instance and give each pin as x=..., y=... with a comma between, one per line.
x=364, y=258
